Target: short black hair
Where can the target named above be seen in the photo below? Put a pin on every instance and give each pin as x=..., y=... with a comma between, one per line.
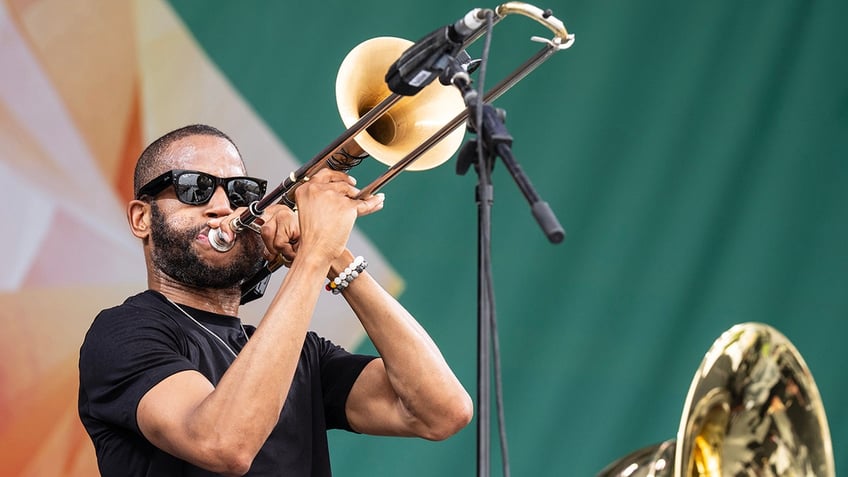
x=147, y=166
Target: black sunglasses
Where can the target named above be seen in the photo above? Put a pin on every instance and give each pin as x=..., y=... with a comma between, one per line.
x=196, y=188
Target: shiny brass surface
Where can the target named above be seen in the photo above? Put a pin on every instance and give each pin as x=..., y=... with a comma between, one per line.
x=544, y=17
x=753, y=409
x=360, y=86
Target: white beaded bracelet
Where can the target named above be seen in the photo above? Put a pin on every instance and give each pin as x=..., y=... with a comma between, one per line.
x=352, y=271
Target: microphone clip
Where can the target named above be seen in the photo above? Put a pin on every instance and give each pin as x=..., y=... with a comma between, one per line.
x=421, y=63
x=427, y=58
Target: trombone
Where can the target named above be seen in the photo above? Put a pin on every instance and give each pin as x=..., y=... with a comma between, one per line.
x=414, y=129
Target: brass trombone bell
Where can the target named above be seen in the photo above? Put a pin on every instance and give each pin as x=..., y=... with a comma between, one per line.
x=360, y=86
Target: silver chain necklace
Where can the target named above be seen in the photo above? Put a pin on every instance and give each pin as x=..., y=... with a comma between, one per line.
x=220, y=340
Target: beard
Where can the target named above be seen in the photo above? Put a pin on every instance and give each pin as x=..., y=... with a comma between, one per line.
x=174, y=255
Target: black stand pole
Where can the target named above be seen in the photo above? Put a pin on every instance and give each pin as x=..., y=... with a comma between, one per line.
x=485, y=309
x=493, y=141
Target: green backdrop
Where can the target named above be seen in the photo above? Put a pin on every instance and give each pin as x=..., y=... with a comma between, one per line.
x=695, y=153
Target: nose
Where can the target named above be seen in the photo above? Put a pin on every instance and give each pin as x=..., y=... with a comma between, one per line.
x=219, y=204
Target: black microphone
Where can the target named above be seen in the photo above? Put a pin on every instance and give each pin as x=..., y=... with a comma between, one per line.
x=425, y=60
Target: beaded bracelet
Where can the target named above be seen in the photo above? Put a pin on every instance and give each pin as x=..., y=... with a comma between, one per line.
x=352, y=271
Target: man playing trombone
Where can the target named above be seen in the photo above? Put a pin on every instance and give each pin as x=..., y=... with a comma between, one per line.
x=172, y=383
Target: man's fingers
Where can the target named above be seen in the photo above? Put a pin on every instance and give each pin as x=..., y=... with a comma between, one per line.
x=329, y=176
x=371, y=204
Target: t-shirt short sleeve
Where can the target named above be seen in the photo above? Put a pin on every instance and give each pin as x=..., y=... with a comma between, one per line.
x=124, y=355
x=339, y=371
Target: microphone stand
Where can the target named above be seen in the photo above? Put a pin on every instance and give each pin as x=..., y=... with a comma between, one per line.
x=493, y=141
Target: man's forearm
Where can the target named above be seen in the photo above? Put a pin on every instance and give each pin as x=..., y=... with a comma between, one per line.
x=234, y=421
x=415, y=367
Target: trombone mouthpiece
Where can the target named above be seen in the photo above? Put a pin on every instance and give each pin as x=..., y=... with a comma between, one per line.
x=218, y=241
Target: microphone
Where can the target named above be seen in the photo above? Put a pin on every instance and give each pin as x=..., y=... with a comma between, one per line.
x=425, y=60
x=465, y=26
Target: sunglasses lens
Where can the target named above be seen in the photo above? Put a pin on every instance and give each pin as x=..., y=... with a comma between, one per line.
x=194, y=188
x=242, y=191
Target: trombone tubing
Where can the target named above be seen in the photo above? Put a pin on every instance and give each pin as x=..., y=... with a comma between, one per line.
x=320, y=161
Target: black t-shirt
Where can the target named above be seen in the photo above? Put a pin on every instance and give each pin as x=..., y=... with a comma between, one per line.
x=132, y=347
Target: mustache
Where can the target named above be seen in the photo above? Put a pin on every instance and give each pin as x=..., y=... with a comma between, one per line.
x=195, y=231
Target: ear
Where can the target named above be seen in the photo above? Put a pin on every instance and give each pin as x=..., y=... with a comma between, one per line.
x=138, y=216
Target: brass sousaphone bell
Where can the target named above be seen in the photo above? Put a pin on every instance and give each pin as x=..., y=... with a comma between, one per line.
x=753, y=409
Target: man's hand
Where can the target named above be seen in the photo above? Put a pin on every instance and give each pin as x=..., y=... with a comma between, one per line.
x=280, y=232
x=327, y=211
